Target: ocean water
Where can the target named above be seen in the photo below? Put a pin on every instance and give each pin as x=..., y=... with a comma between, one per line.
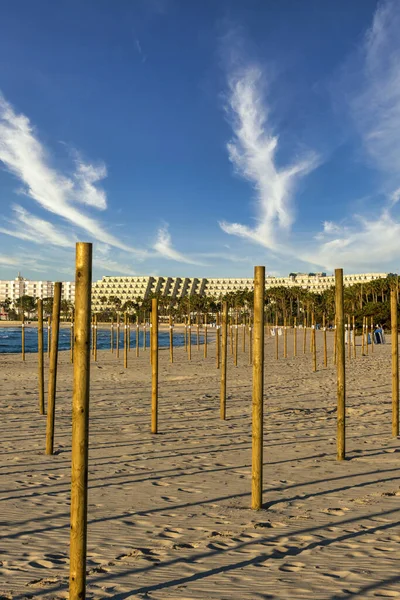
x=10, y=339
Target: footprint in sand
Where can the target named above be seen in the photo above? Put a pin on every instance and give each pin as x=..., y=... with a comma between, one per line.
x=292, y=567
x=160, y=483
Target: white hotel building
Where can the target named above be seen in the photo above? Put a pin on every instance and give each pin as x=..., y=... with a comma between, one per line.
x=139, y=288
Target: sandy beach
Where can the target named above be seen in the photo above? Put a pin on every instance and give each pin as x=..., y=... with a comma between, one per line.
x=169, y=514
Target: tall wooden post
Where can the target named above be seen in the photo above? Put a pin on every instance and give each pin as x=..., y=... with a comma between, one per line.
x=341, y=367
x=171, y=340
x=349, y=337
x=154, y=365
x=363, y=338
x=189, y=337
x=284, y=338
x=144, y=333
x=40, y=356
x=80, y=422
x=117, y=340
x=250, y=343
x=366, y=335
x=244, y=334
x=51, y=397
x=224, y=352
x=125, y=341
x=295, y=337
x=236, y=340
x=71, y=338
x=314, y=343
x=128, y=334
x=205, y=335
x=218, y=342
x=335, y=342
x=48, y=335
x=112, y=336
x=372, y=335
x=23, y=335
x=276, y=339
x=304, y=334
x=198, y=331
x=137, y=334
x=92, y=327
x=354, y=338
x=95, y=336
x=395, y=362
x=325, y=344
x=258, y=390
x=185, y=335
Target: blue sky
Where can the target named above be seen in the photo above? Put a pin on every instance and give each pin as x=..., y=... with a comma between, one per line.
x=199, y=138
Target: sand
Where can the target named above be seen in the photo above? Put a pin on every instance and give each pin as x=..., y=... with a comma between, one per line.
x=169, y=514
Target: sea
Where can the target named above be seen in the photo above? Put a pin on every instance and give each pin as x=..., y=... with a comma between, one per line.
x=11, y=339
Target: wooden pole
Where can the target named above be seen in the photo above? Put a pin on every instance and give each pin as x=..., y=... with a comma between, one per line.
x=189, y=338
x=325, y=344
x=218, y=343
x=80, y=422
x=23, y=336
x=231, y=335
x=236, y=340
x=244, y=334
x=395, y=363
x=372, y=335
x=349, y=337
x=112, y=337
x=92, y=326
x=363, y=338
x=335, y=342
x=304, y=334
x=198, y=332
x=40, y=356
x=276, y=339
x=205, y=335
x=48, y=336
x=250, y=343
x=125, y=341
x=128, y=334
x=117, y=340
x=51, y=396
x=154, y=365
x=137, y=334
x=71, y=339
x=95, y=337
x=185, y=335
x=295, y=337
x=224, y=349
x=341, y=367
x=366, y=335
x=314, y=343
x=144, y=333
x=258, y=390
x=284, y=338
x=171, y=340
x=354, y=337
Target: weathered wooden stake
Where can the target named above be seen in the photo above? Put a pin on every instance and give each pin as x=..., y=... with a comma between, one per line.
x=395, y=362
x=314, y=343
x=284, y=338
x=189, y=338
x=71, y=339
x=198, y=332
x=258, y=390
x=224, y=349
x=218, y=343
x=276, y=339
x=372, y=335
x=354, y=338
x=205, y=335
x=40, y=355
x=48, y=336
x=51, y=396
x=325, y=344
x=112, y=336
x=23, y=336
x=250, y=343
x=171, y=340
x=95, y=337
x=80, y=422
x=137, y=334
x=244, y=334
x=125, y=341
x=117, y=340
x=295, y=337
x=304, y=334
x=154, y=365
x=235, y=358
x=341, y=366
x=366, y=335
x=363, y=338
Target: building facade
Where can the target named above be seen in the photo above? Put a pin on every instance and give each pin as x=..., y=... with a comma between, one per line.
x=15, y=288
x=140, y=288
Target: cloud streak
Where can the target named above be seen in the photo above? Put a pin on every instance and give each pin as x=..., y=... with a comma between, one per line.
x=23, y=155
x=163, y=246
x=252, y=151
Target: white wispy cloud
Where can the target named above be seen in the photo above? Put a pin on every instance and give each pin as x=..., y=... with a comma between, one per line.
x=252, y=151
x=24, y=156
x=375, y=106
x=163, y=246
x=30, y=228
